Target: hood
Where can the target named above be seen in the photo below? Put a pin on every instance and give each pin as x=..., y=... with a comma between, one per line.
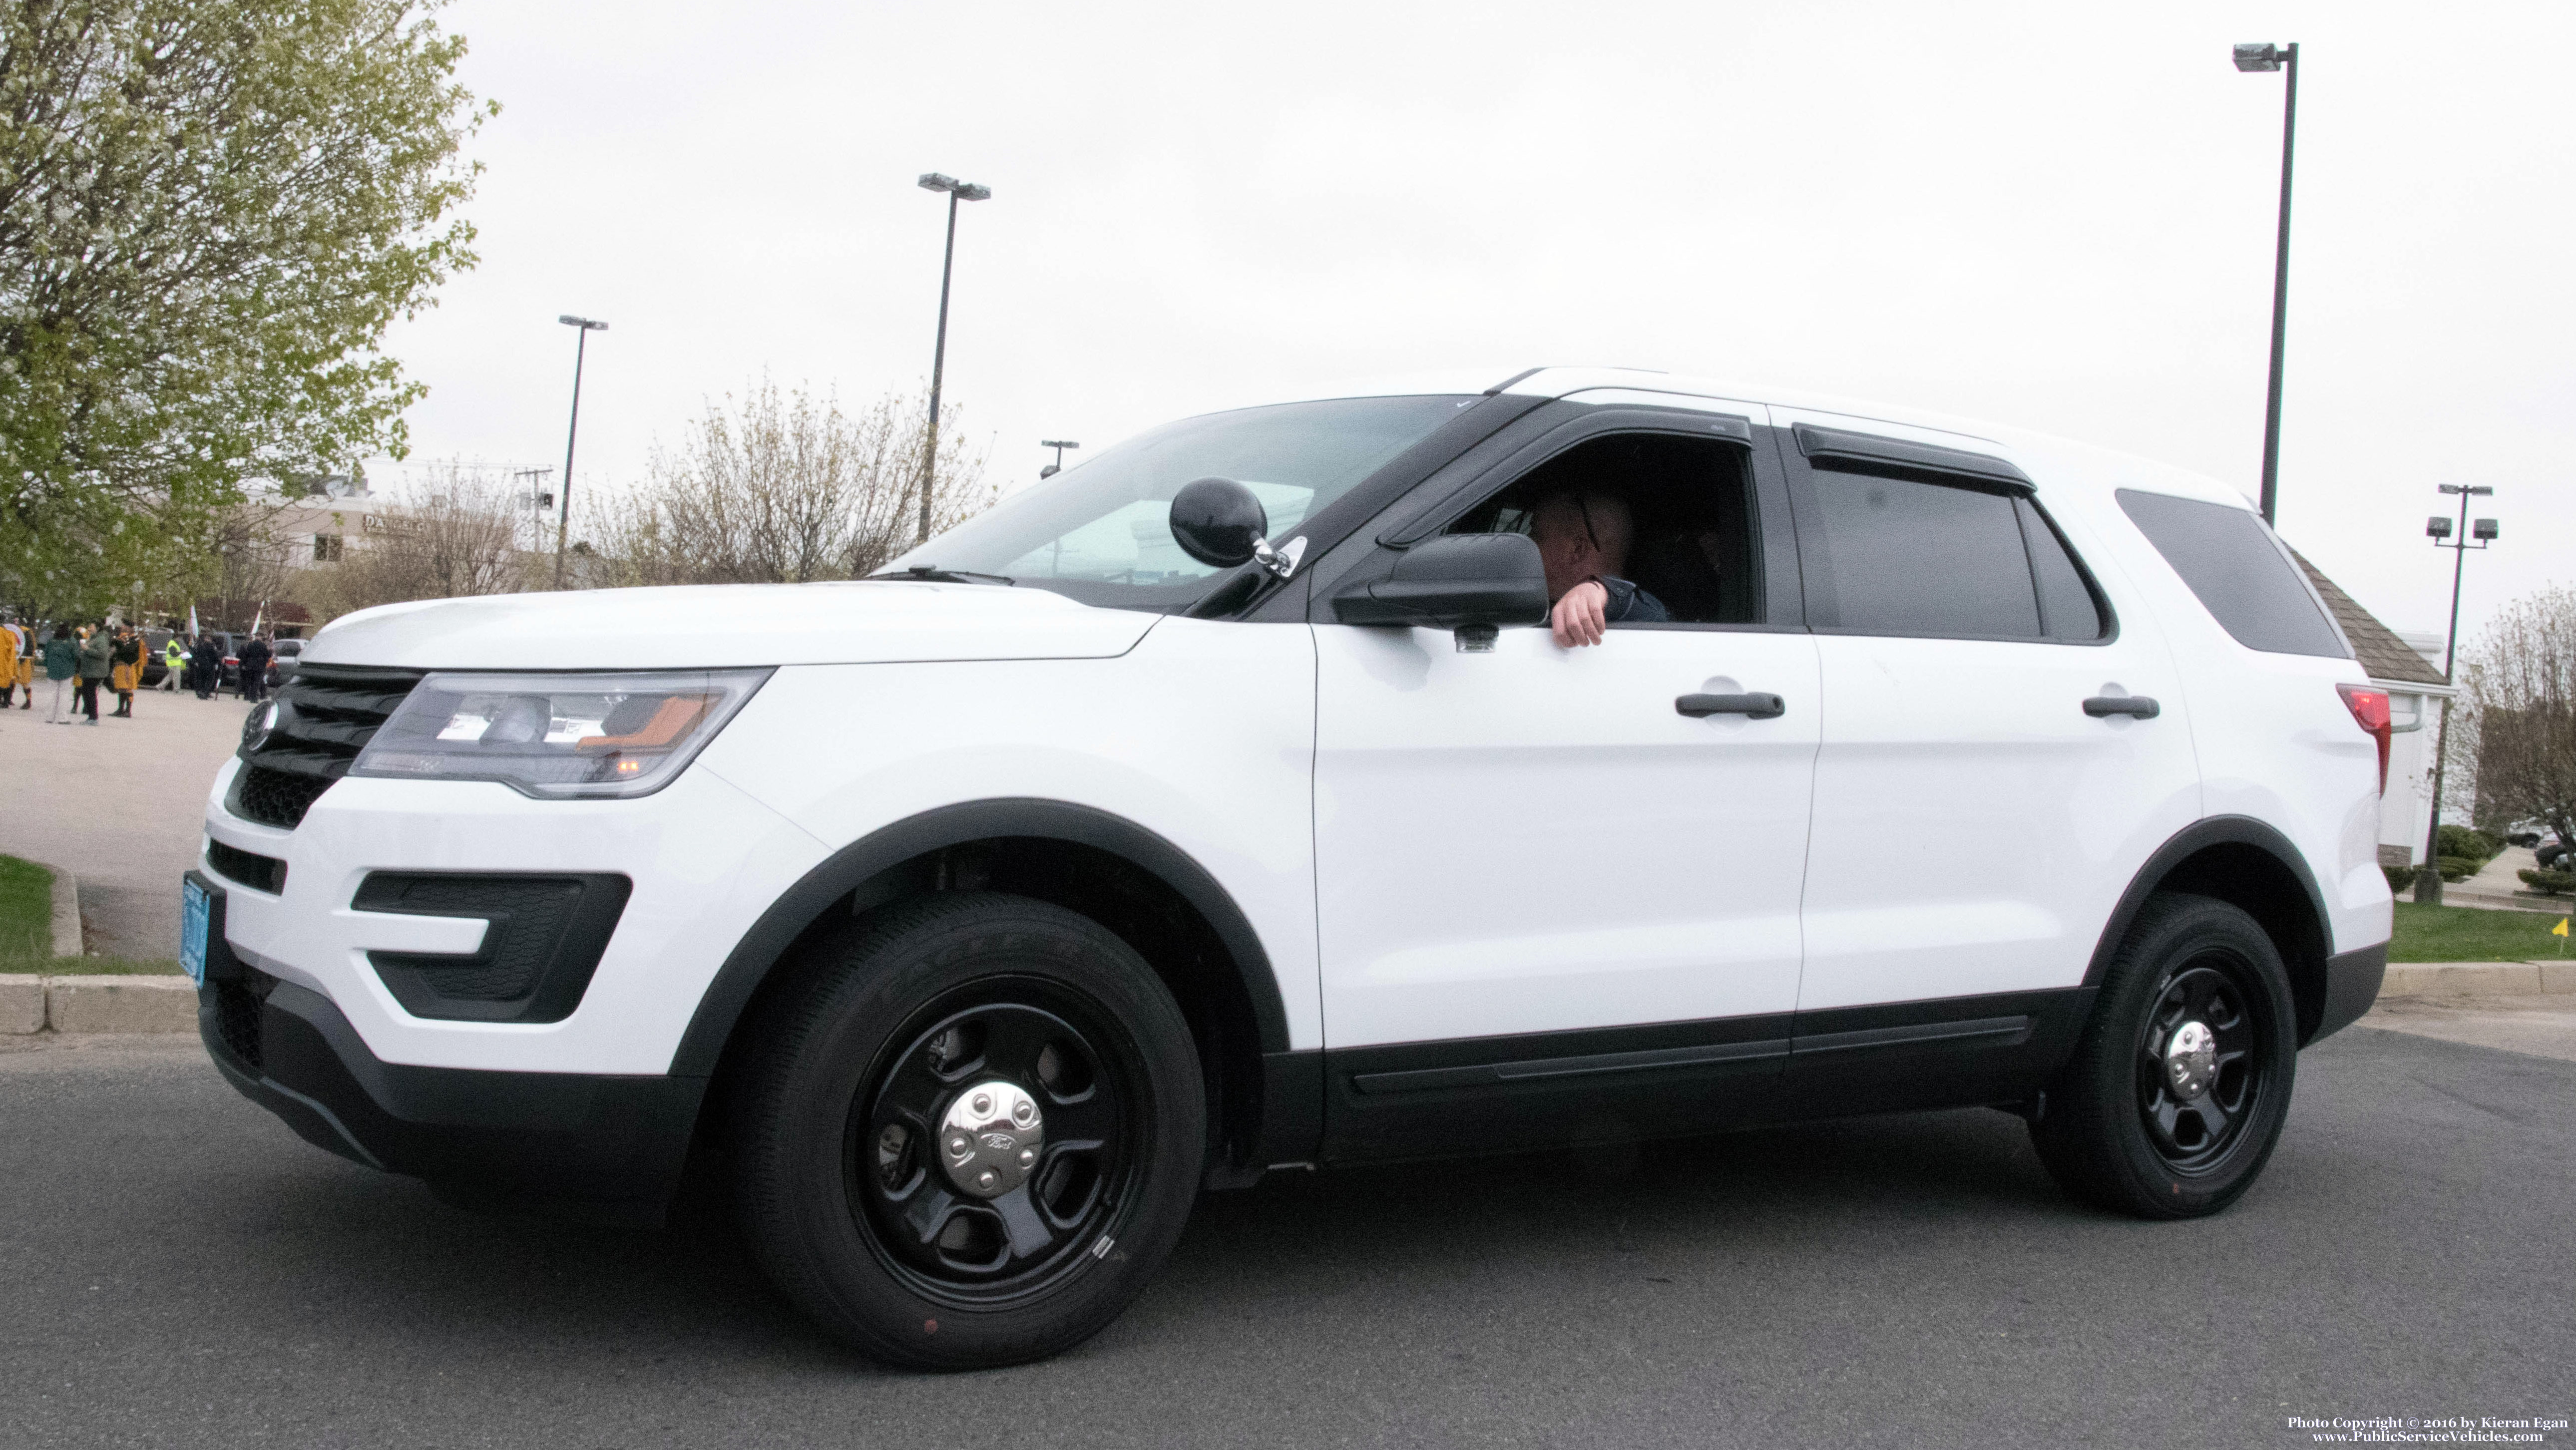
x=711, y=626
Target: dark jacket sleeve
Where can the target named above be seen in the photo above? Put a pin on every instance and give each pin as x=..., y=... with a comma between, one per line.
x=1632, y=605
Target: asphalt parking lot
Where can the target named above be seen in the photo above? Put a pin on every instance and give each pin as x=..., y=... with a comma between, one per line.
x=182, y=1271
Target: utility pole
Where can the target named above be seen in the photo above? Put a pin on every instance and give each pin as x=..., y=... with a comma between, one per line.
x=536, y=498
x=2428, y=881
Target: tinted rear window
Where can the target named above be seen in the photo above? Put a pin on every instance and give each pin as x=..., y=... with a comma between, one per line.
x=2241, y=576
x=1907, y=557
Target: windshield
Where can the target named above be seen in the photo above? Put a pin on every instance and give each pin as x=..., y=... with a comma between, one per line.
x=1101, y=532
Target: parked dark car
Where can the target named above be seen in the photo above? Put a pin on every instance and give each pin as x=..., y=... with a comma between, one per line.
x=281, y=660
x=156, y=657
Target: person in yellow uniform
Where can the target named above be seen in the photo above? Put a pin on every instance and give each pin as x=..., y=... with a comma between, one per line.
x=13, y=647
x=125, y=669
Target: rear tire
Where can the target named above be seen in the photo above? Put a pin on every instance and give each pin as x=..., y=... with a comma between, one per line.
x=2177, y=1090
x=885, y=1185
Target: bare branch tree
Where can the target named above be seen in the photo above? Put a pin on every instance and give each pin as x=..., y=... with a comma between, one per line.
x=2520, y=688
x=785, y=488
x=253, y=565
x=458, y=535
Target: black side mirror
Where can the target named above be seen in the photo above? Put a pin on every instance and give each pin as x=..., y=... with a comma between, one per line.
x=1453, y=581
x=1218, y=521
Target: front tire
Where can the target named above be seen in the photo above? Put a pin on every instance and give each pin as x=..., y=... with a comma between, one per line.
x=970, y=1132
x=2177, y=1091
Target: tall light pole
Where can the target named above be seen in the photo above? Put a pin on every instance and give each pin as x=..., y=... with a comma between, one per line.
x=563, y=520
x=1059, y=445
x=957, y=191
x=2428, y=882
x=2265, y=56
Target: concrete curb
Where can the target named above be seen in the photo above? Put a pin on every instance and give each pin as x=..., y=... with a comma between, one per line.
x=67, y=922
x=31, y=1003
x=2478, y=979
x=22, y=1004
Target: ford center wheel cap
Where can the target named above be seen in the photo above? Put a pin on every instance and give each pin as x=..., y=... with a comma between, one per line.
x=990, y=1138
x=2191, y=1059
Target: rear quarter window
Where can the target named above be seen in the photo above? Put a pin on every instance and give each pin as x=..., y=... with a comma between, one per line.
x=2237, y=571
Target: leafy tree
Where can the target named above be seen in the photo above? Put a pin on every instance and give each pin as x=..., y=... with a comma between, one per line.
x=210, y=211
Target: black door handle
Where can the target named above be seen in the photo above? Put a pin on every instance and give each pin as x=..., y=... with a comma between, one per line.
x=1758, y=707
x=2142, y=706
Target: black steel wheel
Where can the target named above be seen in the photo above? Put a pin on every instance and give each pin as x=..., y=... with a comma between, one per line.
x=969, y=1131
x=1000, y=1208
x=2201, y=1067
x=2175, y=1095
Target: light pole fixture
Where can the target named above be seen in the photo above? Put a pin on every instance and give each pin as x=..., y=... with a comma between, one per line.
x=957, y=191
x=2428, y=882
x=1059, y=445
x=2265, y=56
x=563, y=520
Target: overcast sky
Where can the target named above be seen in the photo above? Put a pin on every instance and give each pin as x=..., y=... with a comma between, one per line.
x=2042, y=215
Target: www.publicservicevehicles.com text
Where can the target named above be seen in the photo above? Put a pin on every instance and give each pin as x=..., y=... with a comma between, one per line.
x=2448, y=1430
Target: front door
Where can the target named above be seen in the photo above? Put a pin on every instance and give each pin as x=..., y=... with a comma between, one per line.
x=1534, y=870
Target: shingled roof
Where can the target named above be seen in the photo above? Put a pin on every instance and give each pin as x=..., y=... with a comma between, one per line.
x=2381, y=652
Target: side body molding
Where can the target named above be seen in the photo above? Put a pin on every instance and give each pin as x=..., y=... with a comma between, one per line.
x=2301, y=934
x=751, y=960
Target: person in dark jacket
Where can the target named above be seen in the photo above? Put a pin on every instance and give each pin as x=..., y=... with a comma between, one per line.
x=254, y=668
x=207, y=660
x=94, y=665
x=1583, y=542
x=62, y=666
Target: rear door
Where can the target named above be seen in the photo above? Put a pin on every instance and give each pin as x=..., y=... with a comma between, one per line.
x=1990, y=774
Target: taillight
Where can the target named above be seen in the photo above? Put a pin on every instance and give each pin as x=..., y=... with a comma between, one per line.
x=2370, y=711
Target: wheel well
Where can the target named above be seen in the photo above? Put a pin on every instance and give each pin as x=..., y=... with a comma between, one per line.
x=1186, y=951
x=2260, y=884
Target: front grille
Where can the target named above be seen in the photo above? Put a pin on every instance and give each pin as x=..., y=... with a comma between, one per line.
x=543, y=939
x=325, y=716
x=237, y=1010
x=249, y=868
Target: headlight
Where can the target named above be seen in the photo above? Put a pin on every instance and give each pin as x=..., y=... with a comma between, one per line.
x=558, y=736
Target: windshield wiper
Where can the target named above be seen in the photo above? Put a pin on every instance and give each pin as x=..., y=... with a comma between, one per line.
x=932, y=574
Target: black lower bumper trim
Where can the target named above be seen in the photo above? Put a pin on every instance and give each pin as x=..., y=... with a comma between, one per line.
x=611, y=1145
x=2352, y=984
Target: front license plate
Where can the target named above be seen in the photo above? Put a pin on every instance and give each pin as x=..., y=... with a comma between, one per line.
x=196, y=908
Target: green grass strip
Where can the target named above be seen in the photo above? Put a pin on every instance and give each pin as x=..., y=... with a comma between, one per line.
x=2468, y=934
x=27, y=931
x=26, y=909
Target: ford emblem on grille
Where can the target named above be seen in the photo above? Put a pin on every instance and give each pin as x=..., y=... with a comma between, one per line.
x=256, y=730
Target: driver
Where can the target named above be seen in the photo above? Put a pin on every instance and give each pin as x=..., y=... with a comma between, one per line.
x=1583, y=538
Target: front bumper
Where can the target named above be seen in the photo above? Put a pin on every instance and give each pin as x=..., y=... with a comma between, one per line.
x=609, y=1146
x=704, y=860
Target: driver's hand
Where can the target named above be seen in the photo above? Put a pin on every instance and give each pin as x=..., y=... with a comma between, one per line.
x=1581, y=615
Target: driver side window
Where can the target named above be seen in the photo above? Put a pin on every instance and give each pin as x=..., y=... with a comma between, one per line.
x=1690, y=537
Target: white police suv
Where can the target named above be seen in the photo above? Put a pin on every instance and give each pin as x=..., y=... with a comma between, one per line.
x=1221, y=804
